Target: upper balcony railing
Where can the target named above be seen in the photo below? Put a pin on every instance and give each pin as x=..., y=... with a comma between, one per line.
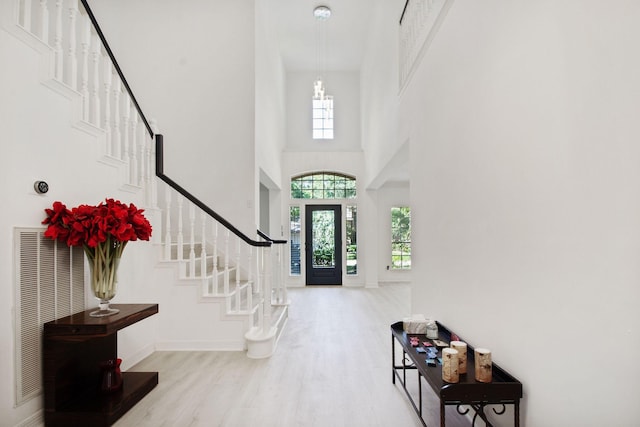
x=419, y=22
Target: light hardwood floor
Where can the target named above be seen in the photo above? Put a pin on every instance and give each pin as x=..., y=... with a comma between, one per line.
x=332, y=368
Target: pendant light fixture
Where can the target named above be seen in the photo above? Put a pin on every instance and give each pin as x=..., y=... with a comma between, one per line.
x=321, y=14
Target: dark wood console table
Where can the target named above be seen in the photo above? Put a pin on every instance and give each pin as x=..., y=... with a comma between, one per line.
x=503, y=390
x=73, y=348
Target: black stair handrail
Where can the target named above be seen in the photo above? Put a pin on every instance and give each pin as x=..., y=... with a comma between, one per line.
x=159, y=157
x=269, y=239
x=404, y=10
x=116, y=65
x=160, y=174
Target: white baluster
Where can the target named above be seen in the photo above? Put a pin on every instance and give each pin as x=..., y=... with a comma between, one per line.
x=250, y=271
x=260, y=261
x=215, y=257
x=192, y=240
x=142, y=138
x=266, y=286
x=203, y=247
x=133, y=170
x=226, y=274
x=84, y=87
x=126, y=116
x=275, y=284
x=281, y=265
x=116, y=146
x=237, y=268
x=72, y=62
x=180, y=234
x=44, y=21
x=145, y=171
x=250, y=302
x=107, y=103
x=167, y=231
x=238, y=259
x=282, y=292
x=261, y=266
x=57, y=43
x=26, y=15
x=151, y=184
x=226, y=262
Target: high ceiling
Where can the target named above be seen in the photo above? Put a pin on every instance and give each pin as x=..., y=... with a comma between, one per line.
x=346, y=31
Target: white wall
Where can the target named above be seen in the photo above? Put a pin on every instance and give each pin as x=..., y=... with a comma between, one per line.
x=379, y=89
x=344, y=86
x=522, y=121
x=270, y=96
x=192, y=67
x=270, y=117
x=39, y=143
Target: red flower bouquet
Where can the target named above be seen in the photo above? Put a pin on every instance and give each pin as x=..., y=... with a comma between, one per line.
x=103, y=231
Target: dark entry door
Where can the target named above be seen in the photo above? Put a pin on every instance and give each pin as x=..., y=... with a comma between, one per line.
x=323, y=244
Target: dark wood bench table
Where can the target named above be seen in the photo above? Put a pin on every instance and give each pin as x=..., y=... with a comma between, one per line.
x=73, y=348
x=503, y=390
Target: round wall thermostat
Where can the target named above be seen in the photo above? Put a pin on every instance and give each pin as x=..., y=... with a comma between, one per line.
x=41, y=187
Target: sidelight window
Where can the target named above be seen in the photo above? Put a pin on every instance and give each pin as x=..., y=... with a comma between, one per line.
x=294, y=237
x=352, y=241
x=400, y=238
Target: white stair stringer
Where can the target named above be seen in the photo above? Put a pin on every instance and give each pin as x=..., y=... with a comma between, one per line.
x=262, y=343
x=232, y=309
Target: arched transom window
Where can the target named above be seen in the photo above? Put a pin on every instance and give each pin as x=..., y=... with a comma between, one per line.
x=323, y=185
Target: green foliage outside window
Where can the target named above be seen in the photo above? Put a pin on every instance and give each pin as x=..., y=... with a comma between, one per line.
x=294, y=239
x=400, y=238
x=323, y=239
x=352, y=241
x=323, y=185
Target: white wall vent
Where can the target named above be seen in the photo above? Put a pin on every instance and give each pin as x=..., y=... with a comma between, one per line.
x=49, y=284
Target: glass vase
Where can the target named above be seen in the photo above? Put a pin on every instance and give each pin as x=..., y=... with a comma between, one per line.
x=111, y=375
x=103, y=267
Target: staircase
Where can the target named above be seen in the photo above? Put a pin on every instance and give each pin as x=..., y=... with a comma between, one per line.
x=243, y=276
x=234, y=275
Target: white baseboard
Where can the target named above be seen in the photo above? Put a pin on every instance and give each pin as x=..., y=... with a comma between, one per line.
x=200, y=346
x=132, y=359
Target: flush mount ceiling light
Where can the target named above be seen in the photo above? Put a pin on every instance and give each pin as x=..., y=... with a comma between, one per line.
x=322, y=13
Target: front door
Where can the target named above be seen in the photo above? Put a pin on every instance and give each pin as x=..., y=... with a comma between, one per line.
x=323, y=244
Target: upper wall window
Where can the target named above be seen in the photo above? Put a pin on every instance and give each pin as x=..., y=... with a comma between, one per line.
x=322, y=117
x=323, y=185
